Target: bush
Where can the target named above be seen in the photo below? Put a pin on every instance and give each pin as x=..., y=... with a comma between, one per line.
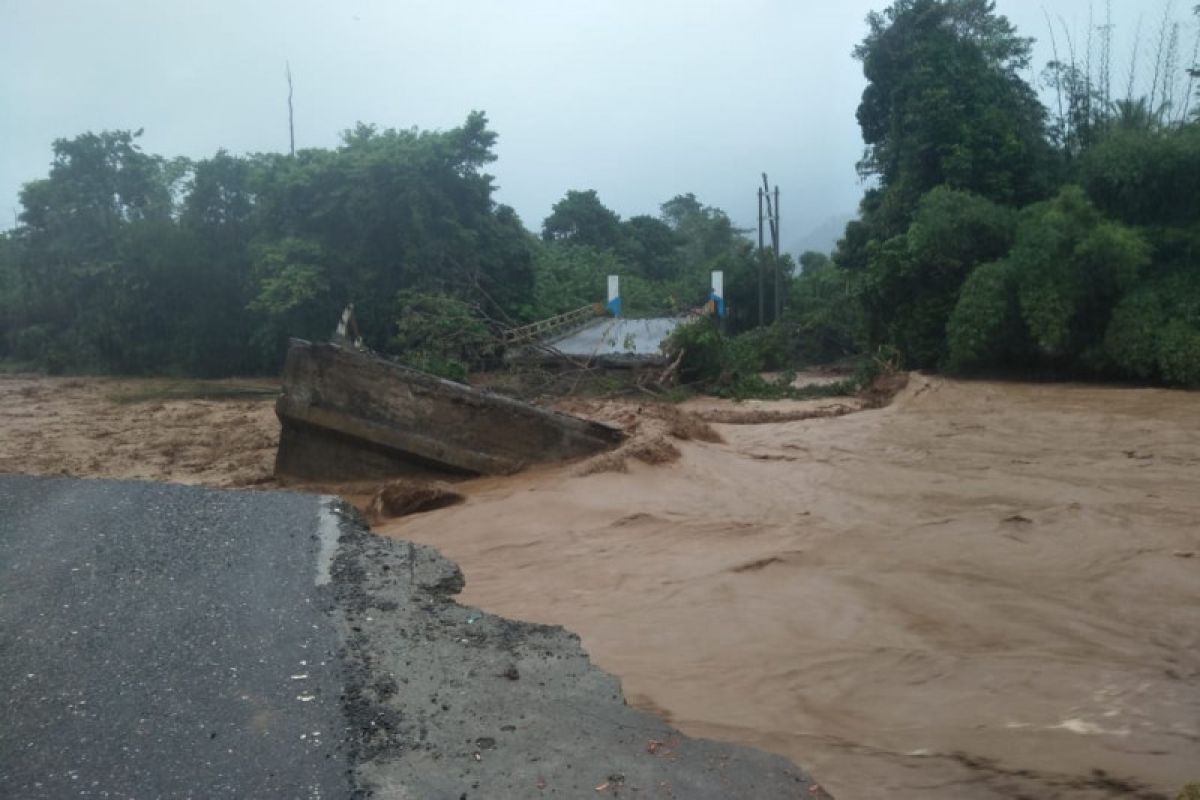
x=31, y=343
x=762, y=349
x=913, y=280
x=702, y=347
x=823, y=313
x=1145, y=177
x=569, y=276
x=712, y=358
x=440, y=334
x=1072, y=267
x=1155, y=331
x=985, y=328
x=730, y=366
x=46, y=346
x=1132, y=340
x=1179, y=353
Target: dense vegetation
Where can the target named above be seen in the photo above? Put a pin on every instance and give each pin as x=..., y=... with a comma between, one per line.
x=997, y=235
x=1000, y=236
x=128, y=262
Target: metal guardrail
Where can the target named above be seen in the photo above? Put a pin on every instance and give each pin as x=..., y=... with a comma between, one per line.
x=545, y=328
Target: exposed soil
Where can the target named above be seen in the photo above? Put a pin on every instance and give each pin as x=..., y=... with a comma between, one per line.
x=983, y=590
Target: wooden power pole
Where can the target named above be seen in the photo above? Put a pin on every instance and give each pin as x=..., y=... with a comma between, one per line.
x=778, y=265
x=772, y=218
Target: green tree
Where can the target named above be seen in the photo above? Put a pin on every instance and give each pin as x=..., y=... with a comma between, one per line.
x=127, y=261
x=396, y=210
x=652, y=247
x=580, y=218
x=1154, y=332
x=706, y=233
x=945, y=104
x=96, y=183
x=570, y=276
x=219, y=212
x=1143, y=176
x=440, y=334
x=292, y=295
x=1134, y=115
x=219, y=204
x=1072, y=266
x=824, y=315
x=80, y=293
x=985, y=330
x=1134, y=335
x=954, y=136
x=912, y=281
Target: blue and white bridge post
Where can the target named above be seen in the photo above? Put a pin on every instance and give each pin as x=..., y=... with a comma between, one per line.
x=614, y=295
x=716, y=298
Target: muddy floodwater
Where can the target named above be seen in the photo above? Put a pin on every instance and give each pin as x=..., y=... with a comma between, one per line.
x=984, y=590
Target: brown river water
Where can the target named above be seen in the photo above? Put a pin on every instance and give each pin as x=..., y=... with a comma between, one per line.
x=984, y=590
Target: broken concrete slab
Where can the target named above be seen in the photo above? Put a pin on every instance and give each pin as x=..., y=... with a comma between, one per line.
x=348, y=415
x=446, y=701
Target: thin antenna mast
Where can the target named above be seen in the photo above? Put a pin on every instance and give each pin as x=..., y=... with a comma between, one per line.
x=291, y=117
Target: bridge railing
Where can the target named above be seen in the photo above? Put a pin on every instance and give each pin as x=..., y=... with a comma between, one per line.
x=554, y=326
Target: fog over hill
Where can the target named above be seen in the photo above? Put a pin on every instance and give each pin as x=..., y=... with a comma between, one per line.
x=823, y=238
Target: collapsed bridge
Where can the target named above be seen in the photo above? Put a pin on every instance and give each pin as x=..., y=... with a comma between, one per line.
x=602, y=335
x=347, y=414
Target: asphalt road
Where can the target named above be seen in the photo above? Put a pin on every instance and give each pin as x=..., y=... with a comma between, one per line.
x=162, y=641
x=167, y=641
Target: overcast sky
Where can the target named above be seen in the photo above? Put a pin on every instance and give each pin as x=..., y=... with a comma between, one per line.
x=640, y=99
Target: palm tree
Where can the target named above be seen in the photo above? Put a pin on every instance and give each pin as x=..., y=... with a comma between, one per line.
x=1136, y=115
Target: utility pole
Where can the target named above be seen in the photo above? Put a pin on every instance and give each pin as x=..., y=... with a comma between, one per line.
x=291, y=118
x=773, y=220
x=760, y=258
x=778, y=265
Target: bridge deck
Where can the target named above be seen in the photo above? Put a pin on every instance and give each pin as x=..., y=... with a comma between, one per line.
x=620, y=338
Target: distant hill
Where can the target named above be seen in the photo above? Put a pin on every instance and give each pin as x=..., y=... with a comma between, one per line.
x=822, y=238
